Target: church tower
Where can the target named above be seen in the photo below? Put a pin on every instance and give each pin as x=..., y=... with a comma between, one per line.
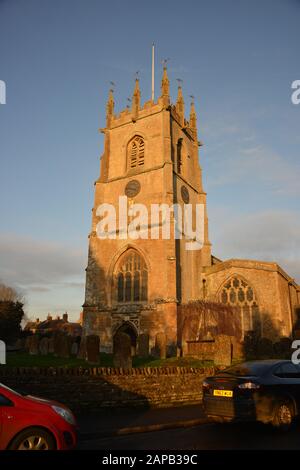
x=135, y=284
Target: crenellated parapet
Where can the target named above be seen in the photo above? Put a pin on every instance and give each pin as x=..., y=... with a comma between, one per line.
x=140, y=111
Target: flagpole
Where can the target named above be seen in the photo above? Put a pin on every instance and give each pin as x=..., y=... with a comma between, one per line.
x=152, y=94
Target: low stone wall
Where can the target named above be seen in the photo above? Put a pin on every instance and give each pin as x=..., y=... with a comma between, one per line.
x=94, y=388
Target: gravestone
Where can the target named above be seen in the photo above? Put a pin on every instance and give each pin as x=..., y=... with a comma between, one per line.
x=44, y=346
x=122, y=351
x=223, y=350
x=51, y=345
x=265, y=349
x=2, y=352
x=286, y=345
x=64, y=346
x=282, y=348
x=296, y=334
x=161, y=345
x=56, y=342
x=74, y=349
x=184, y=348
x=237, y=349
x=20, y=344
x=27, y=343
x=34, y=345
x=92, y=348
x=82, y=348
x=143, y=345
x=171, y=349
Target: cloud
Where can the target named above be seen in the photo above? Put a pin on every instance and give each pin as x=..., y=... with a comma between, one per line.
x=269, y=236
x=50, y=275
x=261, y=165
x=39, y=289
x=235, y=154
x=30, y=262
x=220, y=130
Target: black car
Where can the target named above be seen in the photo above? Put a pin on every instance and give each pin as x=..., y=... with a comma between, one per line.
x=266, y=391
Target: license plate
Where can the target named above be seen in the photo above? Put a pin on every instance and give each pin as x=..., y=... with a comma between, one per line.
x=223, y=393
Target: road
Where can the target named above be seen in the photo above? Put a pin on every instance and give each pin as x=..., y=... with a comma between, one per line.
x=203, y=437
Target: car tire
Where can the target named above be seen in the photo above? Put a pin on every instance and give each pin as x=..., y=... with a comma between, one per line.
x=283, y=416
x=33, y=439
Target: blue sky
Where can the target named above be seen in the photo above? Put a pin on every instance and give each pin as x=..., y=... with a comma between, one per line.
x=57, y=57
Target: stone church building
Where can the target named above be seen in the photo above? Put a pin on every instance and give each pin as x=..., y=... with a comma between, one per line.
x=136, y=285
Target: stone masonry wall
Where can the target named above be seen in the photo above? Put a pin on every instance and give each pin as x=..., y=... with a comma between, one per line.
x=94, y=388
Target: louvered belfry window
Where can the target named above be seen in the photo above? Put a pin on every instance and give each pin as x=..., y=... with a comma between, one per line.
x=136, y=152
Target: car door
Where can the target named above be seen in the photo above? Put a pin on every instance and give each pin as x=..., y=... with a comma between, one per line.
x=289, y=380
x=4, y=403
x=297, y=386
x=1, y=425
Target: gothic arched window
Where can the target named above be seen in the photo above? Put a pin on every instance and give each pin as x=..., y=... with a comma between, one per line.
x=131, y=278
x=136, y=152
x=179, y=155
x=237, y=292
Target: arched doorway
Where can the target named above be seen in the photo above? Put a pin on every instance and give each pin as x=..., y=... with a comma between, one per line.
x=129, y=330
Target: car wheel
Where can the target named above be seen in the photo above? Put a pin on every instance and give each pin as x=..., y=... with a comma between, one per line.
x=283, y=416
x=33, y=439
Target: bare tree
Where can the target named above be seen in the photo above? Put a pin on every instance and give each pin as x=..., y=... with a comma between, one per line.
x=10, y=294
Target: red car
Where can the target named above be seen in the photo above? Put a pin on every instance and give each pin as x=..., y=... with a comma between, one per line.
x=32, y=423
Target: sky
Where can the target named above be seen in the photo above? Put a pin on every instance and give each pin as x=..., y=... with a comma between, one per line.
x=57, y=58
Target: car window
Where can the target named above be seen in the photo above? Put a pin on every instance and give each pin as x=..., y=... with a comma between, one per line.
x=5, y=401
x=287, y=370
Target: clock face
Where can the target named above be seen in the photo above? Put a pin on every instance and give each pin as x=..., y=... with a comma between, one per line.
x=132, y=188
x=185, y=195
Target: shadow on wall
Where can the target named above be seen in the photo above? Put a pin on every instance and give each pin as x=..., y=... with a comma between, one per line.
x=101, y=289
x=84, y=392
x=201, y=322
x=265, y=341
x=200, y=319
x=91, y=389
x=95, y=291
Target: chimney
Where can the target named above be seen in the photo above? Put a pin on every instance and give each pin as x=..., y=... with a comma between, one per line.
x=49, y=317
x=65, y=317
x=37, y=321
